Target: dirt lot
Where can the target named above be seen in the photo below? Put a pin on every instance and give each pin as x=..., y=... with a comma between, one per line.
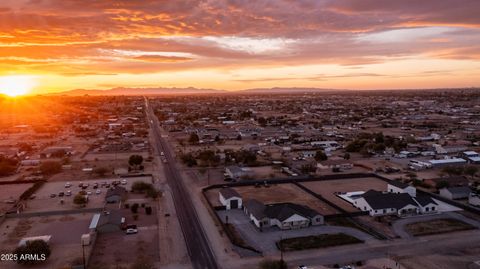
x=65, y=242
x=328, y=188
x=11, y=191
x=279, y=193
x=118, y=249
x=437, y=226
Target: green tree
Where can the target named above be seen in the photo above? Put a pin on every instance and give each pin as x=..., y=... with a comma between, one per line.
x=101, y=171
x=140, y=186
x=135, y=160
x=79, y=199
x=50, y=167
x=36, y=247
x=320, y=156
x=470, y=171
x=308, y=168
x=442, y=184
x=134, y=208
x=188, y=159
x=193, y=139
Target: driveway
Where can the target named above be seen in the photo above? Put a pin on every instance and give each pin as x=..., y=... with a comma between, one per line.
x=399, y=225
x=265, y=241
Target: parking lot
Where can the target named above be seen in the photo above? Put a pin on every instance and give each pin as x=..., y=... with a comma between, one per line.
x=44, y=201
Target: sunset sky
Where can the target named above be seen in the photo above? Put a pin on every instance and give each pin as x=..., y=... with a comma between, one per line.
x=58, y=45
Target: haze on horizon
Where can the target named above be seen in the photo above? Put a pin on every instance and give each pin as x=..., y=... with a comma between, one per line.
x=59, y=45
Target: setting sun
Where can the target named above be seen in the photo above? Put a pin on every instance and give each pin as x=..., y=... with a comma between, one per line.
x=16, y=85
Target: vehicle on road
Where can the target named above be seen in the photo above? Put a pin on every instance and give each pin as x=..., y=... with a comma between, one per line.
x=124, y=182
x=68, y=193
x=61, y=194
x=53, y=195
x=68, y=185
x=302, y=267
x=98, y=192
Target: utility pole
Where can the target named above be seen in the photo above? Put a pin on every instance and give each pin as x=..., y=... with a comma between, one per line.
x=83, y=252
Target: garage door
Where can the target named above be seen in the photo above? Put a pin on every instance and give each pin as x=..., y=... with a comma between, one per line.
x=234, y=204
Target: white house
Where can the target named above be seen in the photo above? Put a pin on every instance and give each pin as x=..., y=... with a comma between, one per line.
x=454, y=193
x=237, y=172
x=230, y=198
x=379, y=203
x=283, y=215
x=396, y=186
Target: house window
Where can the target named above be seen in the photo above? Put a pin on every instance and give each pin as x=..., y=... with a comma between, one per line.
x=427, y=208
x=433, y=208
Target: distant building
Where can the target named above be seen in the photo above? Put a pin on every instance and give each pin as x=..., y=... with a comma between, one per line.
x=230, y=198
x=106, y=223
x=396, y=186
x=283, y=215
x=116, y=194
x=474, y=199
x=447, y=162
x=454, y=193
x=237, y=172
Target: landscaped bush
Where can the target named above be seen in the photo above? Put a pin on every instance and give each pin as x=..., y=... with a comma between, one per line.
x=317, y=241
x=26, y=194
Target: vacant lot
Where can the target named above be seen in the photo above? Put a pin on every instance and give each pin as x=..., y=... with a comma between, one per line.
x=11, y=192
x=437, y=226
x=279, y=193
x=328, y=188
x=119, y=249
x=65, y=242
x=317, y=241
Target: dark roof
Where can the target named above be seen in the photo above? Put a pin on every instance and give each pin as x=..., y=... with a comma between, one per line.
x=284, y=211
x=228, y=193
x=380, y=200
x=115, y=217
x=118, y=190
x=398, y=184
x=460, y=190
x=255, y=207
x=424, y=200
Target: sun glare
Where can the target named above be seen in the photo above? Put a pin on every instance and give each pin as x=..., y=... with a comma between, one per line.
x=16, y=85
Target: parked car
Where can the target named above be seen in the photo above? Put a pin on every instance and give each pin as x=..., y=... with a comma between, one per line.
x=61, y=194
x=302, y=267
x=98, y=191
x=89, y=192
x=131, y=231
x=68, y=193
x=124, y=181
x=53, y=195
x=68, y=185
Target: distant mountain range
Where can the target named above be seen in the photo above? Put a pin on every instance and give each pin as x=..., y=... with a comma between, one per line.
x=189, y=90
x=138, y=91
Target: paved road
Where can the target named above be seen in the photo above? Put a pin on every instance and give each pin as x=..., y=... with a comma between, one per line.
x=197, y=243
x=399, y=225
